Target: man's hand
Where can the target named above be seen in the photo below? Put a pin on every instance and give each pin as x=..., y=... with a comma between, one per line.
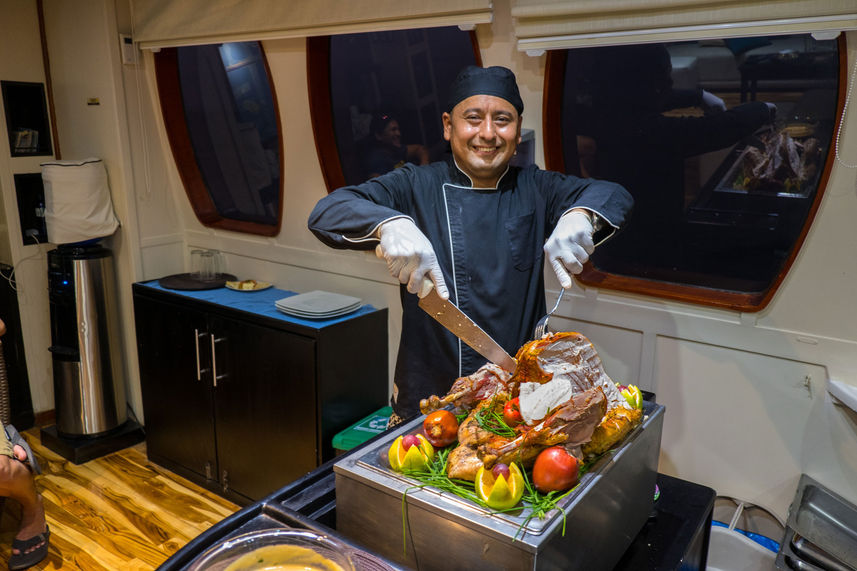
x=410, y=256
x=570, y=245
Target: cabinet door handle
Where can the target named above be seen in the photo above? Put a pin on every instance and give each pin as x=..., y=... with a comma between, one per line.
x=196, y=337
x=214, y=375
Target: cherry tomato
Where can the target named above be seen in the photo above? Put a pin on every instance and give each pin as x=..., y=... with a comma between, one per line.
x=555, y=470
x=512, y=412
x=441, y=428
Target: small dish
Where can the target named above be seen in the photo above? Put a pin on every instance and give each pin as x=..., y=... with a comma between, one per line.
x=247, y=285
x=277, y=549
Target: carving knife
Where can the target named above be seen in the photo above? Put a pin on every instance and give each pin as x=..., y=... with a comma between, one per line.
x=448, y=315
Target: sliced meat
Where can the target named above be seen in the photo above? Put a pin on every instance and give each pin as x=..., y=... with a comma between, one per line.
x=567, y=354
x=465, y=392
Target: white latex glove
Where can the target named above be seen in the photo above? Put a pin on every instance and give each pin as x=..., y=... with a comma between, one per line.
x=570, y=245
x=711, y=103
x=410, y=256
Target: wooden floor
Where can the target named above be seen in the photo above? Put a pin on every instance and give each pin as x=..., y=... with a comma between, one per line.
x=115, y=512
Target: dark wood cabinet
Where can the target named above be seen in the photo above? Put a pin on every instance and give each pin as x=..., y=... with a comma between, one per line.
x=242, y=399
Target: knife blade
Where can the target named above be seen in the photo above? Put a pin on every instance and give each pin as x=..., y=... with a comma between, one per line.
x=447, y=314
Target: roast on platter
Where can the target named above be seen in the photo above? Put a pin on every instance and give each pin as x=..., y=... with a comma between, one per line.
x=543, y=423
x=552, y=466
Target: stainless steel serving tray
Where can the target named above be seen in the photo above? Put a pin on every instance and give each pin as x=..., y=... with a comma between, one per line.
x=425, y=528
x=821, y=532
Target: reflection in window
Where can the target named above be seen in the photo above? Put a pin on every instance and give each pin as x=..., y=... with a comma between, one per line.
x=387, y=93
x=721, y=142
x=224, y=133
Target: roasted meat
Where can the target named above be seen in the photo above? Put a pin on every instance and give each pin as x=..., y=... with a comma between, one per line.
x=467, y=391
x=568, y=354
x=571, y=425
x=470, y=432
x=612, y=429
x=463, y=463
x=783, y=163
x=588, y=410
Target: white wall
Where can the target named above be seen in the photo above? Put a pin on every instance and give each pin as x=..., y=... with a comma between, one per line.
x=746, y=394
x=747, y=406
x=83, y=47
x=21, y=60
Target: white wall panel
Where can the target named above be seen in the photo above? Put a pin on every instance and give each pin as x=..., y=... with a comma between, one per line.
x=735, y=421
x=738, y=416
x=21, y=60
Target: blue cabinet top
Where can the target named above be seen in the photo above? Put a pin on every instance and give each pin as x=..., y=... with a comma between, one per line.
x=258, y=302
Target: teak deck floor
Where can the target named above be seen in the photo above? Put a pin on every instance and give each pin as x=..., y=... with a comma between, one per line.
x=115, y=512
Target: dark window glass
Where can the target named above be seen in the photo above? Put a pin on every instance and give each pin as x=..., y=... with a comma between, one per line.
x=387, y=93
x=723, y=144
x=220, y=114
x=233, y=128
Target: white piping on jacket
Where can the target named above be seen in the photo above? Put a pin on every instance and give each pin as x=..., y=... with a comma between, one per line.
x=452, y=259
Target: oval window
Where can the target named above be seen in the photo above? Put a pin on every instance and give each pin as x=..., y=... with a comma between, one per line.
x=726, y=146
x=221, y=118
x=377, y=98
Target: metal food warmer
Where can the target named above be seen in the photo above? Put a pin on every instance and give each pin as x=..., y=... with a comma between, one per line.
x=424, y=528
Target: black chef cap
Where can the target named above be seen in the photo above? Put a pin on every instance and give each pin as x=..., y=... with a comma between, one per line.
x=497, y=81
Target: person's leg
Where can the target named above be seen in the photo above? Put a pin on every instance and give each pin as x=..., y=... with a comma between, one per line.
x=17, y=482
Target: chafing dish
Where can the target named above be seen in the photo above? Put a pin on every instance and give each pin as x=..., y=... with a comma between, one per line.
x=432, y=529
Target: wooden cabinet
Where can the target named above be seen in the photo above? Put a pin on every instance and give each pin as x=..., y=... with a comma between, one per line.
x=242, y=399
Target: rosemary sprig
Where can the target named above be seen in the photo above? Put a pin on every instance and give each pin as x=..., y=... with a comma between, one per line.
x=490, y=420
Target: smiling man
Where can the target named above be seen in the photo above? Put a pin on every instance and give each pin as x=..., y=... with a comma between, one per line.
x=474, y=226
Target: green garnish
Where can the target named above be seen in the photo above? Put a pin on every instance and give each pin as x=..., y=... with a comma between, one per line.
x=540, y=504
x=436, y=477
x=536, y=503
x=488, y=419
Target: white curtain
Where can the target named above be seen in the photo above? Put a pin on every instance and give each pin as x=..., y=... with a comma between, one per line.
x=167, y=23
x=557, y=24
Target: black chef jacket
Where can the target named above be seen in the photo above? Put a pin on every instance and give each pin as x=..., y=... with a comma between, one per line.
x=488, y=244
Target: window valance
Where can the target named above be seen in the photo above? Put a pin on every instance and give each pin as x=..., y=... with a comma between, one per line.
x=559, y=24
x=169, y=23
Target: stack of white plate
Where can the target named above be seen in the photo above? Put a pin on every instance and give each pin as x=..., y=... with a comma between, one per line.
x=318, y=305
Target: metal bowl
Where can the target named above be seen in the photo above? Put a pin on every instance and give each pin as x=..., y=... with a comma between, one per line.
x=272, y=548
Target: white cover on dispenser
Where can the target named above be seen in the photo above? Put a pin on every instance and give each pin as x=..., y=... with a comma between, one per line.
x=77, y=201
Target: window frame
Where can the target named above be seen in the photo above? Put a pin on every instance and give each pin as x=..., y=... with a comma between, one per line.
x=739, y=301
x=320, y=105
x=172, y=111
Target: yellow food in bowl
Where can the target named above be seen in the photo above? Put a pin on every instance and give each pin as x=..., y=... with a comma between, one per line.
x=283, y=558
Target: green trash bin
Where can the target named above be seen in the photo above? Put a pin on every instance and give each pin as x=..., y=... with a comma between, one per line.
x=362, y=430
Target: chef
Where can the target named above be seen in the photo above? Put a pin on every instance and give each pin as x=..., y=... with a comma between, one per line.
x=477, y=228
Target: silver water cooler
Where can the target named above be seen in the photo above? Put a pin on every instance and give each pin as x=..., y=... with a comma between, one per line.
x=89, y=385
